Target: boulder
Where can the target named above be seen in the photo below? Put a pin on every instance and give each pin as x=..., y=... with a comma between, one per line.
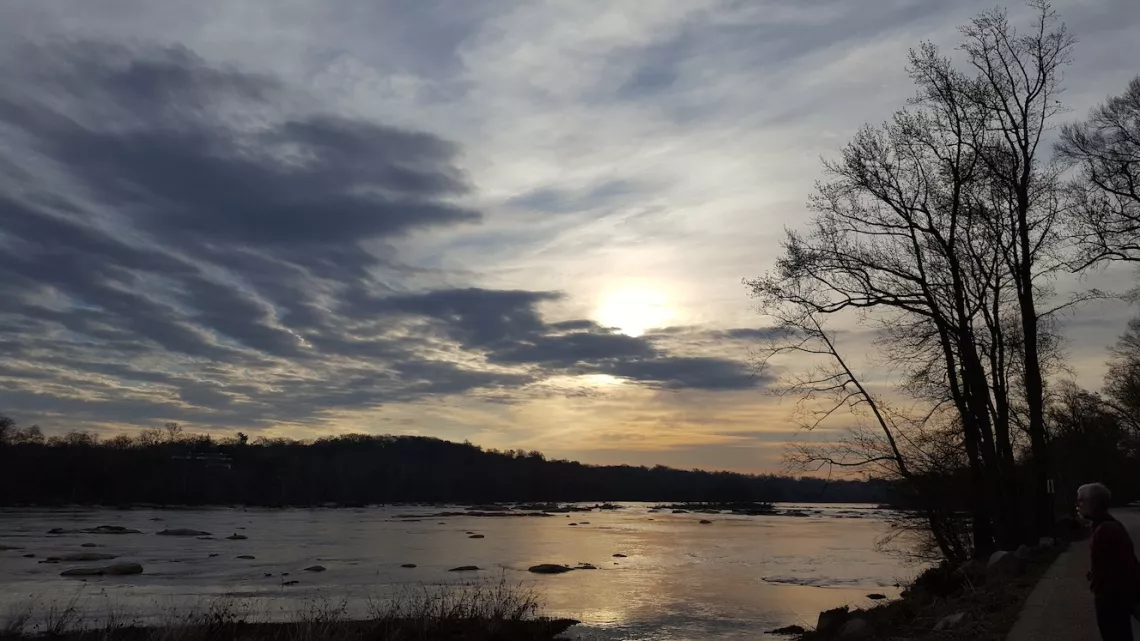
x=465, y=568
x=972, y=568
x=1004, y=563
x=476, y=536
x=789, y=630
x=315, y=568
x=182, y=531
x=236, y=537
x=408, y=565
x=247, y=557
x=706, y=522
x=1023, y=552
x=29, y=555
x=293, y=582
x=122, y=569
x=549, y=568
x=875, y=596
x=830, y=621
x=110, y=529
x=855, y=629
x=950, y=621
x=101, y=529
x=213, y=555
x=583, y=522
x=115, y=569
x=573, y=524
x=89, y=545
x=619, y=556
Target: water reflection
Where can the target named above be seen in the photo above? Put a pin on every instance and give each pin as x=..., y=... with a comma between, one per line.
x=679, y=579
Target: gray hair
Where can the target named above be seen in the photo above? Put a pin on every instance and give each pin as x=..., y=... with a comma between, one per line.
x=1098, y=495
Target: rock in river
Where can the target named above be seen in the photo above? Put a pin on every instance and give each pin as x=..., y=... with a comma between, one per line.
x=237, y=537
x=247, y=557
x=408, y=565
x=83, y=556
x=549, y=568
x=465, y=568
x=619, y=556
x=102, y=529
x=182, y=531
x=706, y=522
x=476, y=536
x=115, y=569
x=315, y=568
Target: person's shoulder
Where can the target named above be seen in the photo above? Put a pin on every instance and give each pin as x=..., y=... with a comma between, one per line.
x=1110, y=528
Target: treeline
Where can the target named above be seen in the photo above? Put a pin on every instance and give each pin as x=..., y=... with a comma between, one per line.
x=944, y=229
x=170, y=467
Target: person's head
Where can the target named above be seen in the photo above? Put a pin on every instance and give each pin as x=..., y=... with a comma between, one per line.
x=1093, y=499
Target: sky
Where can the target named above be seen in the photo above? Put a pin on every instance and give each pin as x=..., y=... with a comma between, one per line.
x=523, y=224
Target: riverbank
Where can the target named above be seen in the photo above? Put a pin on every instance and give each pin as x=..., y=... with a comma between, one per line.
x=972, y=602
x=409, y=630
x=1041, y=596
x=499, y=611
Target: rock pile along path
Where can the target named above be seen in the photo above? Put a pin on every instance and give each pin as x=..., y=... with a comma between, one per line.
x=1061, y=606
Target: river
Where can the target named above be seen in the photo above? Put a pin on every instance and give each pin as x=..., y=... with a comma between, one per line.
x=679, y=580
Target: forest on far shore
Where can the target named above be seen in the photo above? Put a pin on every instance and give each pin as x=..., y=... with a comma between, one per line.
x=171, y=467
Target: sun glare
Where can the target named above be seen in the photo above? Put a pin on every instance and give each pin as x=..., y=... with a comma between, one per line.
x=634, y=311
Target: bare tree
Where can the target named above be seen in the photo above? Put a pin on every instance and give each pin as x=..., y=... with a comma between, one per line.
x=31, y=435
x=7, y=428
x=945, y=224
x=887, y=442
x=1017, y=87
x=1122, y=382
x=1105, y=149
x=174, y=432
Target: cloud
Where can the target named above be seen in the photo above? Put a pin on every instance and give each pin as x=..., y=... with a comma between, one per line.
x=311, y=214
x=186, y=240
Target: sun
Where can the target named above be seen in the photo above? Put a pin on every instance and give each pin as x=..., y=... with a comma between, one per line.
x=634, y=311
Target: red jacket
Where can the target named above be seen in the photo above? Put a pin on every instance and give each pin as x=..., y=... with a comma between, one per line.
x=1115, y=570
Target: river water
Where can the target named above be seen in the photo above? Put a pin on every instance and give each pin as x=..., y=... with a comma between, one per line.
x=680, y=580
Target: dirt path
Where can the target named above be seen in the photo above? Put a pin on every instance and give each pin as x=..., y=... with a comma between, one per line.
x=1060, y=607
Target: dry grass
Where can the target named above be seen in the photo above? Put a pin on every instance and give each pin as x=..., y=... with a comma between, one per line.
x=497, y=610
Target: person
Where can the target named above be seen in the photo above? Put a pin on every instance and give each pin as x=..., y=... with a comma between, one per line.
x=1115, y=573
